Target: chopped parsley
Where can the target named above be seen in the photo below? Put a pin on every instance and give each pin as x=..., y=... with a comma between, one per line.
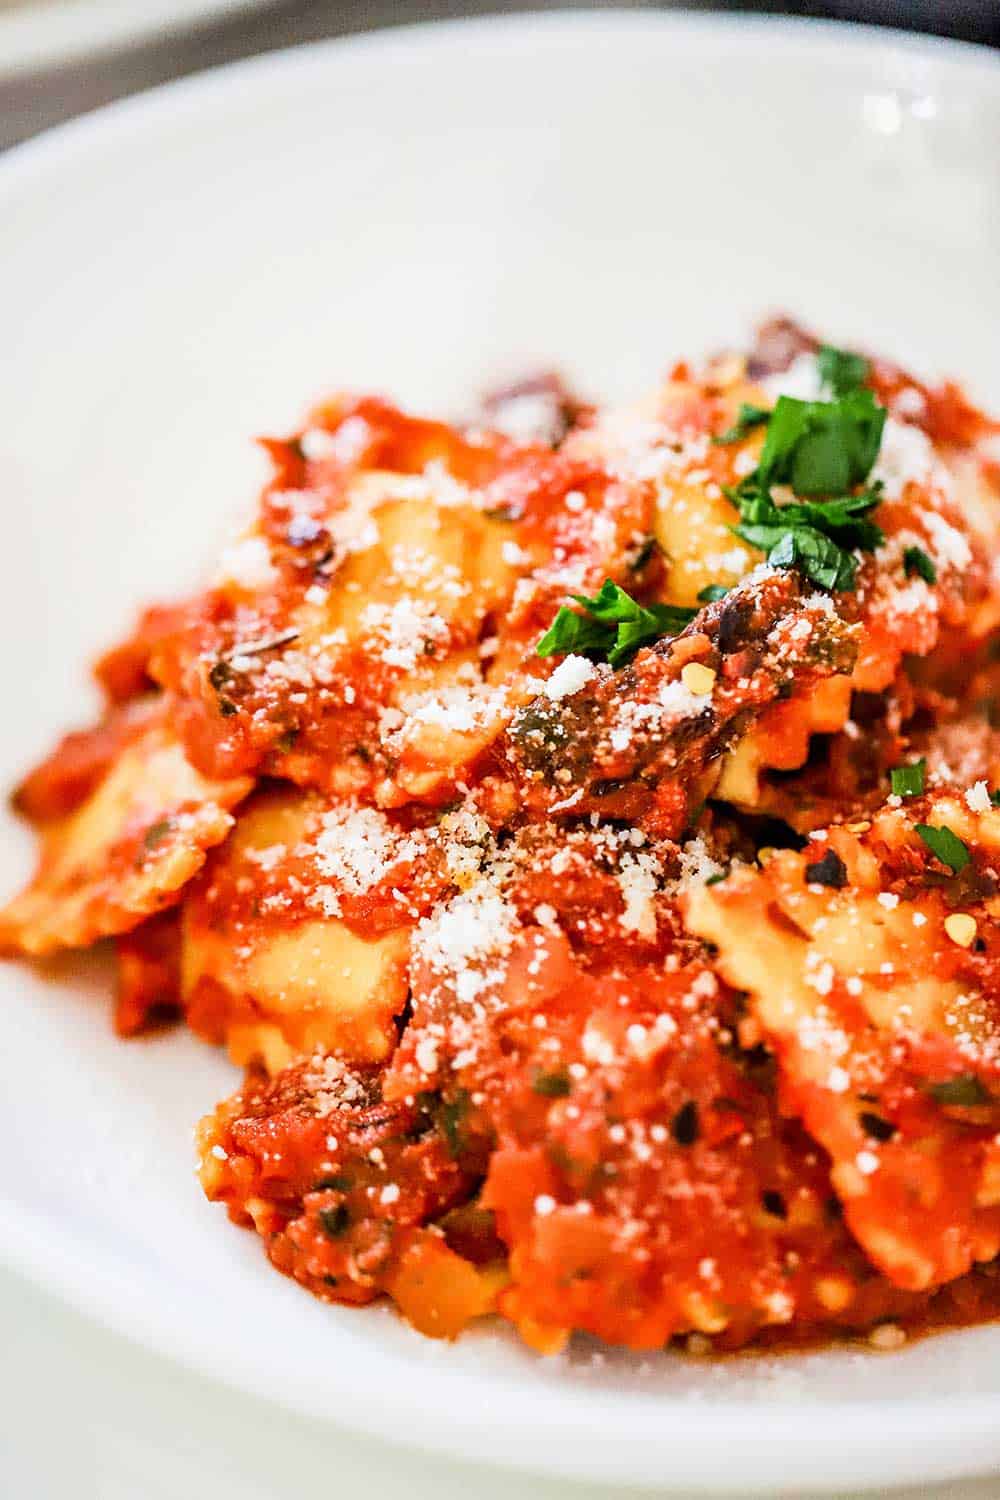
x=841, y=371
x=747, y=418
x=963, y=1091
x=945, y=845
x=817, y=448
x=822, y=447
x=552, y=1085
x=340, y=1182
x=909, y=781
x=614, y=626
x=915, y=560
x=156, y=833
x=334, y=1221
x=452, y=1121
x=644, y=554
x=815, y=537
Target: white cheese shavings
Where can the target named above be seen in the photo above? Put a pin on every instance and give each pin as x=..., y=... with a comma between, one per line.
x=637, y=881
x=455, y=709
x=466, y=932
x=801, y=380
x=907, y=456
x=569, y=677
x=678, y=702
x=977, y=798
x=358, y=845
x=247, y=563
x=697, y=864
x=950, y=547
x=404, y=630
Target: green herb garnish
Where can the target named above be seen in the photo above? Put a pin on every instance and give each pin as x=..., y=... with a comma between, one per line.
x=646, y=550
x=338, y=1183
x=815, y=537
x=818, y=448
x=334, y=1221
x=964, y=1091
x=452, y=1120
x=552, y=1085
x=747, y=418
x=945, y=845
x=712, y=593
x=156, y=833
x=915, y=560
x=909, y=781
x=615, y=625
x=822, y=447
x=840, y=370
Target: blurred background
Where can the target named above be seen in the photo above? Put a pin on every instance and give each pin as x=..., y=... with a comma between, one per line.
x=59, y=58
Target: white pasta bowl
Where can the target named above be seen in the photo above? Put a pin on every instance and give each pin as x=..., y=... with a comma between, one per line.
x=424, y=212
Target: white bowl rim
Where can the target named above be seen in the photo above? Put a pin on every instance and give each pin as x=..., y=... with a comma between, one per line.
x=35, y=39
x=899, y=1439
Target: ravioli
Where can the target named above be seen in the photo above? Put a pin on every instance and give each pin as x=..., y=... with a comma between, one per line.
x=855, y=959
x=269, y=961
x=126, y=853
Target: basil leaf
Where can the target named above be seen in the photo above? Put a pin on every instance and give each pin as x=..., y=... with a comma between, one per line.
x=747, y=418
x=615, y=625
x=822, y=447
x=843, y=519
x=915, y=560
x=712, y=593
x=570, y=631
x=816, y=537
x=945, y=845
x=909, y=781
x=819, y=558
x=840, y=370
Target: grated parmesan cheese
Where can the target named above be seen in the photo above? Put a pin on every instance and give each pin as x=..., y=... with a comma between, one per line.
x=572, y=674
x=637, y=881
x=906, y=457
x=247, y=563
x=977, y=798
x=950, y=547
x=358, y=845
x=801, y=380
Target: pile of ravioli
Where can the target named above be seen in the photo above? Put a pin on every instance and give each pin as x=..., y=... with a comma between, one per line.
x=581, y=827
